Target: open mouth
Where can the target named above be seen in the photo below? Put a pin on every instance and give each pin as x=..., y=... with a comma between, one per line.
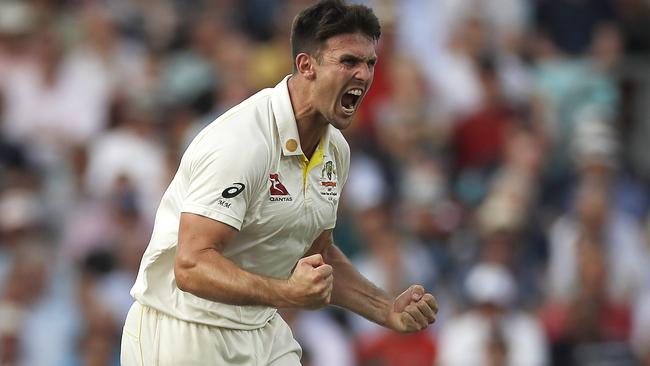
x=350, y=100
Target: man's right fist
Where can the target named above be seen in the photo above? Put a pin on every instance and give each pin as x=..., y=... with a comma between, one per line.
x=310, y=284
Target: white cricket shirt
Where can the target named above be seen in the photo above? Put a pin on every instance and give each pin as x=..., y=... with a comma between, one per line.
x=246, y=169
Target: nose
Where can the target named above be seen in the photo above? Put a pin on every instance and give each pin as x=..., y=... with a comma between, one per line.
x=364, y=72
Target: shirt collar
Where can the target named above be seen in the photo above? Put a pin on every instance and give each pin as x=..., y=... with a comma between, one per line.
x=286, y=122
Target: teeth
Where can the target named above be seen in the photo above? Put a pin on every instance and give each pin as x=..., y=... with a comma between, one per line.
x=356, y=92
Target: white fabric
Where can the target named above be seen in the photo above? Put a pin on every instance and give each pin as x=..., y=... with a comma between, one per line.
x=464, y=340
x=324, y=339
x=245, y=148
x=366, y=188
x=151, y=338
x=627, y=259
x=123, y=152
x=49, y=117
x=641, y=324
x=490, y=283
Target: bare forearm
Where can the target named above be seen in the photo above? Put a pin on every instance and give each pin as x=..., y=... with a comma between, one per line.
x=353, y=291
x=201, y=269
x=212, y=276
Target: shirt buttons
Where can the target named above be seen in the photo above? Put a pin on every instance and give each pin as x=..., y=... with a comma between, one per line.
x=291, y=145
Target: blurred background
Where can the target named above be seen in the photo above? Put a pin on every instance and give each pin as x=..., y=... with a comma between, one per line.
x=501, y=158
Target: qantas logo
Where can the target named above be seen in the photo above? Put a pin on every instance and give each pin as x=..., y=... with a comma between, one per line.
x=278, y=189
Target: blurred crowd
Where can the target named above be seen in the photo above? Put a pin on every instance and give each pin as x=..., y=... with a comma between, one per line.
x=501, y=159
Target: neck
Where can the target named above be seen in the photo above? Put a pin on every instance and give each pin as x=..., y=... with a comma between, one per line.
x=311, y=124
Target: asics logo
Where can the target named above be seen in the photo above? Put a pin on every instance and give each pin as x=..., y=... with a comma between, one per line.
x=233, y=191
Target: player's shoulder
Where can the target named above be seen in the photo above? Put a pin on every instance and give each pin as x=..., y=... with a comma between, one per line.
x=250, y=115
x=244, y=124
x=242, y=133
x=338, y=144
x=253, y=104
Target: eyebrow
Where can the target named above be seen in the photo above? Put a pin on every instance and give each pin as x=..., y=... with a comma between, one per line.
x=349, y=57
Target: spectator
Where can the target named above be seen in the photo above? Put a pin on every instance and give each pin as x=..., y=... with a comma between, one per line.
x=534, y=160
x=490, y=331
x=594, y=216
x=590, y=326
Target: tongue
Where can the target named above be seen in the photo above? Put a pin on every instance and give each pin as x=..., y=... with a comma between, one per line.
x=347, y=101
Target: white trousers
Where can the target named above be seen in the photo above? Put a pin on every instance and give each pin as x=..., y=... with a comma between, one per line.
x=153, y=338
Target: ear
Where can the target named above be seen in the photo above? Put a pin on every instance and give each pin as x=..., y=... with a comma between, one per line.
x=305, y=66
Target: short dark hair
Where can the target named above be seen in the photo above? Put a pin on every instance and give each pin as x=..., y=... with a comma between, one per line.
x=328, y=18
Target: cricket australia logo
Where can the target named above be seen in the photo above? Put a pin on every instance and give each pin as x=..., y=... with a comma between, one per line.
x=328, y=170
x=328, y=180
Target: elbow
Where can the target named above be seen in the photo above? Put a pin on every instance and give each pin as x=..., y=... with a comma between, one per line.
x=183, y=268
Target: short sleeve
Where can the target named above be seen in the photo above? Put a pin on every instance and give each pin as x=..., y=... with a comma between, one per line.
x=222, y=179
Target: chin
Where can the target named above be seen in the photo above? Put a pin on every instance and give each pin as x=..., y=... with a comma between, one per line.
x=340, y=121
x=340, y=124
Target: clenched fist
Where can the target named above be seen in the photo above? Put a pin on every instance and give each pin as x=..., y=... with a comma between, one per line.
x=310, y=284
x=413, y=310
